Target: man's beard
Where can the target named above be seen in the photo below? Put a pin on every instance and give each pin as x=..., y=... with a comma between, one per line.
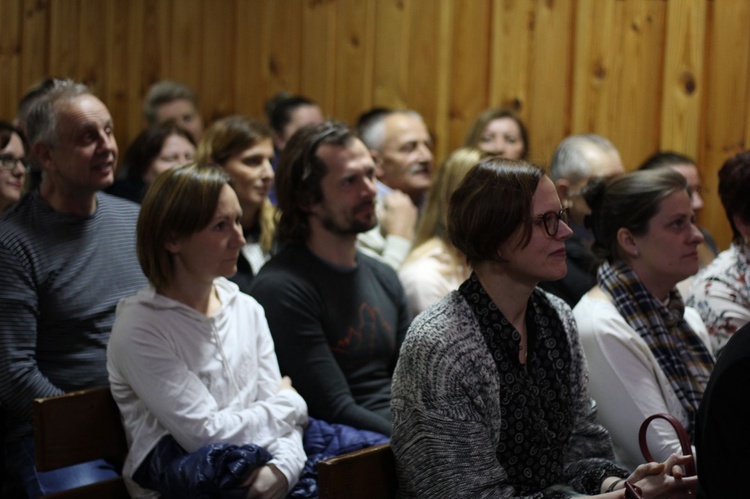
x=354, y=227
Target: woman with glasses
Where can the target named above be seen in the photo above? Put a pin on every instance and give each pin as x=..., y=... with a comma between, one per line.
x=646, y=351
x=13, y=165
x=489, y=394
x=155, y=150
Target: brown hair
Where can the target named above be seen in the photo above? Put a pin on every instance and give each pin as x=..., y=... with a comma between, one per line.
x=628, y=202
x=734, y=182
x=299, y=173
x=488, y=115
x=228, y=137
x=180, y=202
x=491, y=204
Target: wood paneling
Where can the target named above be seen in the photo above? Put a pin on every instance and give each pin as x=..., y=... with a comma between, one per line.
x=647, y=74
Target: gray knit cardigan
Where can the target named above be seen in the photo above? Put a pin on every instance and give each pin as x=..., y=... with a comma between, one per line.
x=446, y=410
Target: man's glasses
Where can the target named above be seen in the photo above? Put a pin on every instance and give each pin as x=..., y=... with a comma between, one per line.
x=9, y=162
x=551, y=221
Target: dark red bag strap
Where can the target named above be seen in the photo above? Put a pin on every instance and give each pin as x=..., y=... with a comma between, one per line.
x=633, y=491
x=682, y=435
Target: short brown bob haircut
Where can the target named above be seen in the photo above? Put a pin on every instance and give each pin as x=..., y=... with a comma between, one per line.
x=180, y=202
x=490, y=205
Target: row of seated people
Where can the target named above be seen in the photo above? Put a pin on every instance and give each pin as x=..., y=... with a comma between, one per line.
x=338, y=318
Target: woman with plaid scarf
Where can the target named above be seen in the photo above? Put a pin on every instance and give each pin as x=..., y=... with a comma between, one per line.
x=647, y=352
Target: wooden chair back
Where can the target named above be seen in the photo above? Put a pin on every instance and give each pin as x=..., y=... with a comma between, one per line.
x=364, y=474
x=78, y=427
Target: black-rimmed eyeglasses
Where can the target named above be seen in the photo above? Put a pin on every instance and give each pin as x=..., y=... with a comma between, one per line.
x=551, y=221
x=9, y=162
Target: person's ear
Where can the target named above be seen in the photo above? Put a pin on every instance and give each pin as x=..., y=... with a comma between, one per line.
x=172, y=245
x=278, y=141
x=742, y=227
x=563, y=190
x=378, y=159
x=43, y=154
x=627, y=242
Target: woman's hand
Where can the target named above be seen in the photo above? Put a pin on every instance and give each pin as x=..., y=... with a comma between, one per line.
x=267, y=483
x=664, y=480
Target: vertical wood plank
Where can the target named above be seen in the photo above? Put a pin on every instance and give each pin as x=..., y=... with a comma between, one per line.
x=470, y=70
x=444, y=140
x=318, y=68
x=93, y=49
x=355, y=32
x=218, y=54
x=63, y=39
x=10, y=61
x=422, y=59
x=285, y=47
x=547, y=115
x=253, y=39
x=117, y=69
x=727, y=76
x=34, y=43
x=187, y=28
x=618, y=74
x=512, y=24
x=391, y=60
x=683, y=76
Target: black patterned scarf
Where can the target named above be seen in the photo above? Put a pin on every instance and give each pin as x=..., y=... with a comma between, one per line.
x=681, y=354
x=535, y=400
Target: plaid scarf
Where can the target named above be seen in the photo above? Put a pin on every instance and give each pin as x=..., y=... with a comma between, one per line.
x=681, y=354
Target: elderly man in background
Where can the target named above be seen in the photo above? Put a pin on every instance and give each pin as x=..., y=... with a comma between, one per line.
x=67, y=256
x=577, y=160
x=401, y=146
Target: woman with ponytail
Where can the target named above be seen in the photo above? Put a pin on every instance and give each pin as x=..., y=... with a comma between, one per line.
x=647, y=352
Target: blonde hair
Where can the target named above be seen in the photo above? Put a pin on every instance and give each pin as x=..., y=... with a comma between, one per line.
x=434, y=218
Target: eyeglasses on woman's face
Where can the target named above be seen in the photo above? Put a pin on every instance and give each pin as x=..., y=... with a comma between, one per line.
x=551, y=221
x=9, y=162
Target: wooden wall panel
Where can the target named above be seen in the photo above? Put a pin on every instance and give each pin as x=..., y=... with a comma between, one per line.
x=728, y=99
x=218, y=76
x=285, y=45
x=10, y=60
x=511, y=35
x=550, y=79
x=63, y=40
x=647, y=74
x=318, y=68
x=186, y=25
x=619, y=87
x=422, y=58
x=390, y=70
x=469, y=74
x=354, y=70
x=252, y=46
x=34, y=47
x=683, y=88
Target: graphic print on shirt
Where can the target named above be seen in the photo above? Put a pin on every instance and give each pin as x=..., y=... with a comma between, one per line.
x=371, y=334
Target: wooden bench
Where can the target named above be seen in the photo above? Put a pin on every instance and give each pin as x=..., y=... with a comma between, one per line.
x=78, y=427
x=364, y=474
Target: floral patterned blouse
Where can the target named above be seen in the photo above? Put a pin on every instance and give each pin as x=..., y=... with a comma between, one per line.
x=721, y=294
